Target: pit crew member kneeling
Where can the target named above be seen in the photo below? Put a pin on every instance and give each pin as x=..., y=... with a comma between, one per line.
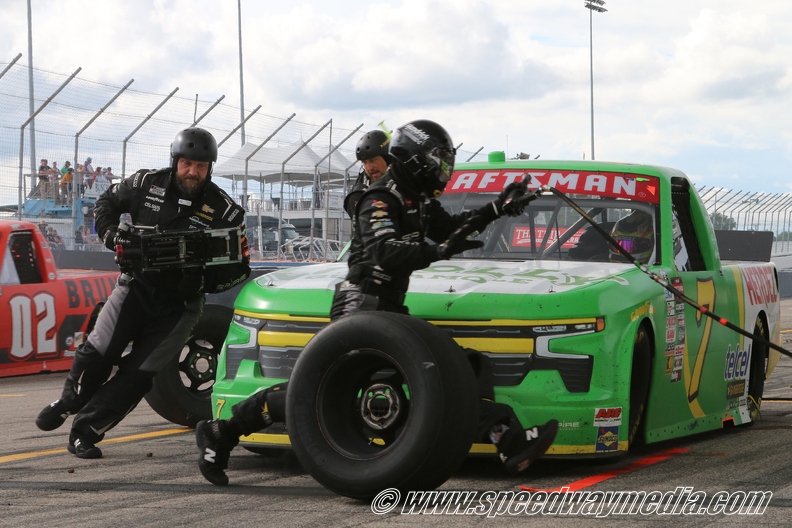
x=391, y=219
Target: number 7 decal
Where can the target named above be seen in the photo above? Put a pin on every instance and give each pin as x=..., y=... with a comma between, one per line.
x=705, y=289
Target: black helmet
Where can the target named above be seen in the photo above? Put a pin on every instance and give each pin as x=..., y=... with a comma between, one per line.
x=196, y=144
x=427, y=152
x=635, y=234
x=373, y=144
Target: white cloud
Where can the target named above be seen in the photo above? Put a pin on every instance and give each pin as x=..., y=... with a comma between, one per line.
x=704, y=86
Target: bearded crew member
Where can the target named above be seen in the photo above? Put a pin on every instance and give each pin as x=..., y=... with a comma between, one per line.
x=155, y=310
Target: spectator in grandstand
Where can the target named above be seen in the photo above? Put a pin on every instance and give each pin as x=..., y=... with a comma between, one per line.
x=66, y=183
x=44, y=168
x=66, y=166
x=78, y=238
x=54, y=240
x=88, y=174
x=109, y=173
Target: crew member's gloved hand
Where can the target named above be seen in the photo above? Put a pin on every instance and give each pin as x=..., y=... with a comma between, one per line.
x=458, y=241
x=510, y=202
x=191, y=284
x=511, y=199
x=110, y=238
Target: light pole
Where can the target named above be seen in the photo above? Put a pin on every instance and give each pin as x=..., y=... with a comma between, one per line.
x=593, y=5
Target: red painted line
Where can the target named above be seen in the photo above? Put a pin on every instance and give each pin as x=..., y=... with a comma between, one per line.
x=596, y=479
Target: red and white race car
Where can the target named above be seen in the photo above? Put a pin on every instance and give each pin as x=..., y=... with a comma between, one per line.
x=44, y=311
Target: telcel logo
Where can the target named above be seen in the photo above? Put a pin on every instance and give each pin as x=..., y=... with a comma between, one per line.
x=737, y=363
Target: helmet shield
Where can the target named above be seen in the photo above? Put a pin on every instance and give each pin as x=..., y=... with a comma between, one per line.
x=635, y=234
x=427, y=152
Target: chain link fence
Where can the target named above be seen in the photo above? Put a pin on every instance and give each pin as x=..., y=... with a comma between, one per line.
x=286, y=168
x=295, y=171
x=732, y=210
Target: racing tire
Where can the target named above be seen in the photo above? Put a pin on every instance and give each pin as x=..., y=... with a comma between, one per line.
x=182, y=391
x=639, y=385
x=757, y=372
x=381, y=400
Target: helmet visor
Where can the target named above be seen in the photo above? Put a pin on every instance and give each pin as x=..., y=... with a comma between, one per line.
x=634, y=245
x=444, y=159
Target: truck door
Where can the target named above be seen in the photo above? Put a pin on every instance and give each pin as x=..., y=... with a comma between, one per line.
x=696, y=345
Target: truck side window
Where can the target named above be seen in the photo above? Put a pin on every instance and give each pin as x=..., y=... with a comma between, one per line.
x=680, y=198
x=681, y=260
x=21, y=256
x=8, y=273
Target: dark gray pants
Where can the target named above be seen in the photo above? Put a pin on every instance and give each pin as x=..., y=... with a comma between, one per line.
x=157, y=328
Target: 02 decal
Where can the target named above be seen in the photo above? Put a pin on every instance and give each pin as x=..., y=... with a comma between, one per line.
x=23, y=321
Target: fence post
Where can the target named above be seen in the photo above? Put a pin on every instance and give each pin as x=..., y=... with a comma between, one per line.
x=22, y=142
x=259, y=233
x=126, y=139
x=77, y=144
x=327, y=197
x=282, y=175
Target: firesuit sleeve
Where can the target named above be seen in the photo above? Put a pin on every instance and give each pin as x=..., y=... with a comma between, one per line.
x=114, y=202
x=442, y=223
x=358, y=188
x=385, y=245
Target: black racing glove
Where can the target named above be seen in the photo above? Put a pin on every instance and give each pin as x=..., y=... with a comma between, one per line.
x=458, y=241
x=191, y=284
x=513, y=198
x=511, y=202
x=110, y=238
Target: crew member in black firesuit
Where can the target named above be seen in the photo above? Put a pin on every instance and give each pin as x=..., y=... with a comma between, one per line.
x=392, y=218
x=155, y=310
x=372, y=152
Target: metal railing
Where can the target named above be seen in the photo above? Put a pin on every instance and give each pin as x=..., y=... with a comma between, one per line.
x=732, y=210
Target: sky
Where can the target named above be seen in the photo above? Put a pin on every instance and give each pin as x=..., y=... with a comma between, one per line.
x=704, y=86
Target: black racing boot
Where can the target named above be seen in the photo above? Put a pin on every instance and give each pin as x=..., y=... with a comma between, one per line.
x=53, y=415
x=519, y=448
x=215, y=442
x=83, y=448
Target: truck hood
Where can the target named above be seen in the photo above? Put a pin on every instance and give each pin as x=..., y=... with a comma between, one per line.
x=468, y=277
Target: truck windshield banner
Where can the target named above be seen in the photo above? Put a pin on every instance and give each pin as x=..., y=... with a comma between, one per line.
x=607, y=184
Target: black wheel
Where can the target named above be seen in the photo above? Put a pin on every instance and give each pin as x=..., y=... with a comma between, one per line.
x=639, y=383
x=380, y=400
x=758, y=369
x=182, y=391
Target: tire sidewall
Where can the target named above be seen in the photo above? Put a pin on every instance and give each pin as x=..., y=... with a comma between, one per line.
x=169, y=397
x=439, y=427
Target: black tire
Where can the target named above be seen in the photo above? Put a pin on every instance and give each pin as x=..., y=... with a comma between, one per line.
x=350, y=422
x=182, y=391
x=758, y=370
x=639, y=384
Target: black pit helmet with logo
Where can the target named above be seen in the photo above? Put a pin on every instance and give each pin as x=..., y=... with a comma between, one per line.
x=374, y=143
x=426, y=151
x=195, y=144
x=635, y=234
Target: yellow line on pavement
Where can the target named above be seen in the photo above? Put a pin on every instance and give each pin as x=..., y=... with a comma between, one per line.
x=13, y=395
x=119, y=440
